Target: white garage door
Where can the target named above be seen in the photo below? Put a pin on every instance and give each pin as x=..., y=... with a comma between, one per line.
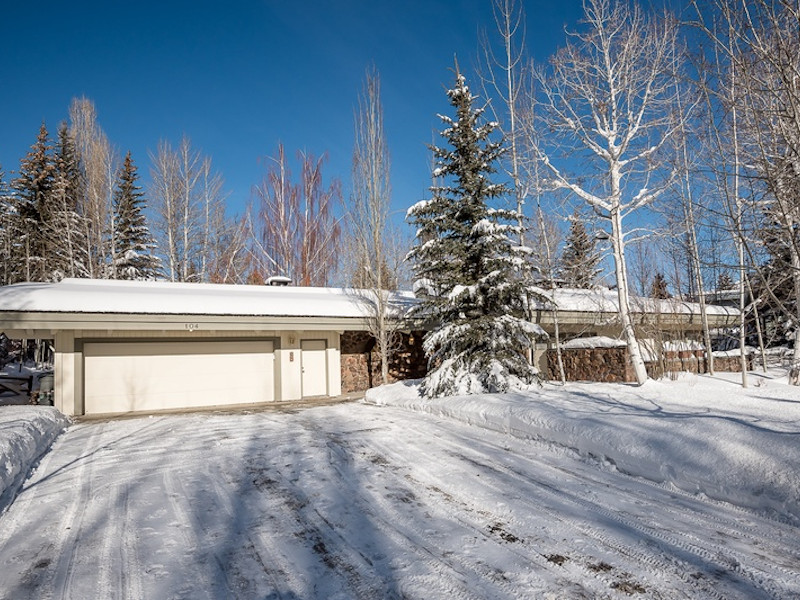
x=143, y=376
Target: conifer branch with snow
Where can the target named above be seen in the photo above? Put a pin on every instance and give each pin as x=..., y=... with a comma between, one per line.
x=473, y=278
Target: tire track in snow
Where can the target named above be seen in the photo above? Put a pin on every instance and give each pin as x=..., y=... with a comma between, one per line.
x=488, y=527
x=669, y=541
x=741, y=526
x=187, y=526
x=701, y=510
x=131, y=571
x=109, y=559
x=118, y=568
x=69, y=537
x=343, y=562
x=658, y=564
x=280, y=572
x=455, y=568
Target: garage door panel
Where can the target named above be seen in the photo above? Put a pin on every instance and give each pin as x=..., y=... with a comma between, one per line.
x=131, y=376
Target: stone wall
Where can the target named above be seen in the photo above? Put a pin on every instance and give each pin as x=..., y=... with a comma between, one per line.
x=361, y=364
x=611, y=364
x=732, y=364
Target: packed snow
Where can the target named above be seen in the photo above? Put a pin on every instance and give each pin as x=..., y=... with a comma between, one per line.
x=701, y=434
x=585, y=491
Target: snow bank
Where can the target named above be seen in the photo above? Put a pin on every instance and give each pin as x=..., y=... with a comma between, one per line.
x=26, y=432
x=700, y=434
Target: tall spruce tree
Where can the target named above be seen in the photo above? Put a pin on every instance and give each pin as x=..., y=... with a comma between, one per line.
x=8, y=222
x=133, y=243
x=65, y=228
x=34, y=192
x=658, y=289
x=473, y=279
x=580, y=257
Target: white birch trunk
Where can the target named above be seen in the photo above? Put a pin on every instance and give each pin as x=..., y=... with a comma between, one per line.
x=634, y=352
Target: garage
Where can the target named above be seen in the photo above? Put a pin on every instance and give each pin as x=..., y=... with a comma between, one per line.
x=157, y=375
x=124, y=347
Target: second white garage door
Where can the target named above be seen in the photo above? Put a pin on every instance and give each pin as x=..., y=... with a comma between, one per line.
x=144, y=376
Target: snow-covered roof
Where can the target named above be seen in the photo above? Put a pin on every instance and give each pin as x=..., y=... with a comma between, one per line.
x=603, y=300
x=170, y=298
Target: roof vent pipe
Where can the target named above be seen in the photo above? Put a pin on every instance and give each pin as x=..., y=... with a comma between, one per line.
x=278, y=280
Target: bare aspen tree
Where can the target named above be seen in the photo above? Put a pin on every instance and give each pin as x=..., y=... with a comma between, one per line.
x=544, y=238
x=229, y=250
x=277, y=218
x=213, y=220
x=503, y=78
x=99, y=163
x=757, y=47
x=165, y=201
x=606, y=101
x=188, y=199
x=688, y=202
x=370, y=201
x=190, y=175
x=295, y=228
x=771, y=115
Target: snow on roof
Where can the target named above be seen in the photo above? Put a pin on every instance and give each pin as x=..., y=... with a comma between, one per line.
x=164, y=297
x=605, y=300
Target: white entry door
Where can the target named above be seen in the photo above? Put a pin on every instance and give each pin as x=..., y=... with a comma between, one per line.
x=314, y=367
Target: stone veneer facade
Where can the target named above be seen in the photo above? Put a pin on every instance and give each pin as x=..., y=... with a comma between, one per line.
x=611, y=365
x=361, y=364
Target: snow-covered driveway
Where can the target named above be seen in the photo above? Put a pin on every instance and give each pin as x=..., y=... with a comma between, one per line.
x=359, y=501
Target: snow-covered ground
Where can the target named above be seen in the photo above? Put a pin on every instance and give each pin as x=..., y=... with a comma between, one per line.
x=701, y=434
x=531, y=500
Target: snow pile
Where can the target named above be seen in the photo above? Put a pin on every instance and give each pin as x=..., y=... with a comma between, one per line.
x=597, y=341
x=26, y=433
x=703, y=435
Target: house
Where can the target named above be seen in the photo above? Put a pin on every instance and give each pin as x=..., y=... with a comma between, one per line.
x=592, y=314
x=131, y=346
x=123, y=346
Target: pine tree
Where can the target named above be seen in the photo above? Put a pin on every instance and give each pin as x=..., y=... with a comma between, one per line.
x=580, y=257
x=34, y=191
x=8, y=254
x=132, y=240
x=725, y=282
x=658, y=289
x=66, y=238
x=473, y=278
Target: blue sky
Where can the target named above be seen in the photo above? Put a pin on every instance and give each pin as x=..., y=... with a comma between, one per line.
x=239, y=77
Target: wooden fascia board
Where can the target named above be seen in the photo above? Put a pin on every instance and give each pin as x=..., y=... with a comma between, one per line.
x=25, y=321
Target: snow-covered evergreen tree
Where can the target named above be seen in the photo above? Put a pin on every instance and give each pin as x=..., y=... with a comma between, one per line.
x=725, y=282
x=658, y=289
x=132, y=242
x=34, y=191
x=8, y=237
x=580, y=256
x=472, y=277
x=65, y=228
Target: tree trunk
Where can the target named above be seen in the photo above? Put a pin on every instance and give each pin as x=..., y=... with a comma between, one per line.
x=624, y=305
x=794, y=371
